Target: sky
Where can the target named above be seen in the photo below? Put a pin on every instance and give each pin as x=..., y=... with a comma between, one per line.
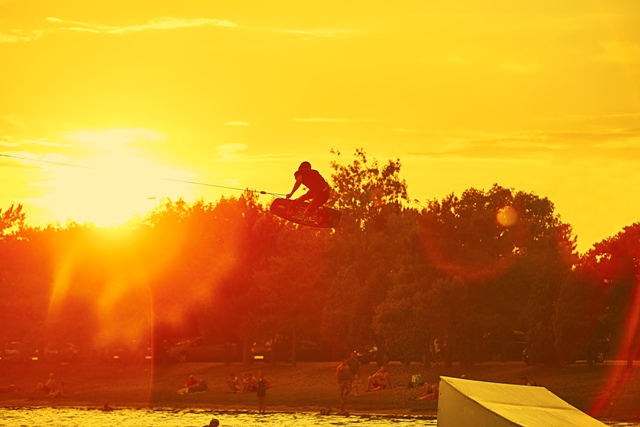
x=108, y=107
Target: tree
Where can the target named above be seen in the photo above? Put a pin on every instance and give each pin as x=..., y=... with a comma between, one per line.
x=24, y=277
x=452, y=319
x=364, y=248
x=12, y=221
x=361, y=189
x=578, y=314
x=510, y=250
x=615, y=262
x=288, y=294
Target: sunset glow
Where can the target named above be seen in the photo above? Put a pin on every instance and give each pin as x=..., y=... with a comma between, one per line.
x=539, y=97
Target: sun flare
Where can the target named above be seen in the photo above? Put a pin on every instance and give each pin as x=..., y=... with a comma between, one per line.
x=114, y=184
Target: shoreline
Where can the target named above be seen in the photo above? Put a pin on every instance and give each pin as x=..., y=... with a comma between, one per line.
x=226, y=411
x=607, y=392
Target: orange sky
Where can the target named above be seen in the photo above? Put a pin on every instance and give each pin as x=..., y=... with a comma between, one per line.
x=538, y=96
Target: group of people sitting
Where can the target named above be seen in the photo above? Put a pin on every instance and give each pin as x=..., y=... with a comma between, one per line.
x=379, y=380
x=193, y=385
x=429, y=392
x=248, y=383
x=51, y=388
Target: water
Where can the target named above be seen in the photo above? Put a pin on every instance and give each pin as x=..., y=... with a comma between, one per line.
x=72, y=417
x=77, y=417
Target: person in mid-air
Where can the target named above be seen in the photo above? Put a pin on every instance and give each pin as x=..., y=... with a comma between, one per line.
x=319, y=189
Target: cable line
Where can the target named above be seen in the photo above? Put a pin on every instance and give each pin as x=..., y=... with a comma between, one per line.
x=205, y=184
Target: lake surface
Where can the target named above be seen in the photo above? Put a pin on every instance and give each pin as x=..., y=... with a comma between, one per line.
x=72, y=417
x=77, y=417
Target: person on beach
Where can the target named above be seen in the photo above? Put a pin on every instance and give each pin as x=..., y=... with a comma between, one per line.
x=106, y=407
x=342, y=410
x=249, y=383
x=354, y=367
x=213, y=423
x=345, y=378
x=262, y=386
x=51, y=388
x=190, y=382
x=429, y=392
x=379, y=381
x=233, y=382
x=8, y=389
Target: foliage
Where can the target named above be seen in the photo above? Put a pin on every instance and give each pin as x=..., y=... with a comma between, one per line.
x=577, y=329
x=362, y=189
x=11, y=221
x=615, y=264
x=392, y=275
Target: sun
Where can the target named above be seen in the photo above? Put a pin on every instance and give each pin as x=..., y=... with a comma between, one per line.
x=110, y=186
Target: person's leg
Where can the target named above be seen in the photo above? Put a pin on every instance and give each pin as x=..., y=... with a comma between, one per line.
x=318, y=200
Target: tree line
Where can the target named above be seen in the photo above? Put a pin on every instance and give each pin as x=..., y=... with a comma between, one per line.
x=397, y=274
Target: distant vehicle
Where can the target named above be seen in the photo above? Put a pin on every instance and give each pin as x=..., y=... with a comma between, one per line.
x=12, y=352
x=505, y=348
x=278, y=349
x=60, y=352
x=390, y=354
x=200, y=349
x=597, y=354
x=127, y=354
x=367, y=356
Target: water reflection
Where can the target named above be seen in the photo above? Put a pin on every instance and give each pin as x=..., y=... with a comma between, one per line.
x=72, y=417
x=77, y=417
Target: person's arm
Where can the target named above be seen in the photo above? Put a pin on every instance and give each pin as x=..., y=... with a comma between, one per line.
x=296, y=185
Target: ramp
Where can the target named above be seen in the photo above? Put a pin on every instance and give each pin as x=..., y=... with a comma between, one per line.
x=467, y=403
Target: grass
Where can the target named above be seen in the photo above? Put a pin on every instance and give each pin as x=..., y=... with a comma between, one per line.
x=606, y=391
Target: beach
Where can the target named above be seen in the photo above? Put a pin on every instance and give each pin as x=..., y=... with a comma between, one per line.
x=607, y=391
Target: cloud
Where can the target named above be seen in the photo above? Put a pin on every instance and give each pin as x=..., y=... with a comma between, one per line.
x=451, y=58
x=408, y=130
x=164, y=23
x=456, y=59
x=619, y=52
x=330, y=120
x=566, y=146
x=318, y=33
x=14, y=36
x=7, y=141
x=583, y=117
x=230, y=151
x=624, y=115
x=517, y=67
x=110, y=138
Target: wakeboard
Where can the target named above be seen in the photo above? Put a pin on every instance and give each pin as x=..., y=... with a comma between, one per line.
x=289, y=210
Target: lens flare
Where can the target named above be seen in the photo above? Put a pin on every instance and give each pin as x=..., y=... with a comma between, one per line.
x=618, y=382
x=507, y=216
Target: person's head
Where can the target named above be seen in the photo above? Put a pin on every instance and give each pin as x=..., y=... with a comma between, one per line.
x=304, y=165
x=214, y=423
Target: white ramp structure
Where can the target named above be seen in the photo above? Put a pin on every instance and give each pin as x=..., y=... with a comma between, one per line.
x=467, y=403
